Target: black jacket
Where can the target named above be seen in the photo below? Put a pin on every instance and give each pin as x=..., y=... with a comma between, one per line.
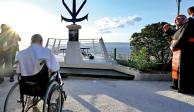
x=183, y=34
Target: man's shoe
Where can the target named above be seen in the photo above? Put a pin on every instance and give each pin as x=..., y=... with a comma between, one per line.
x=187, y=91
x=11, y=79
x=174, y=87
x=1, y=80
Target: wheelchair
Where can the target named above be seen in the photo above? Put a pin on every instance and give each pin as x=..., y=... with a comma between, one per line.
x=42, y=91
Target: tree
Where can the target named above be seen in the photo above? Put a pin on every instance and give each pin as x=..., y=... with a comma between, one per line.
x=155, y=42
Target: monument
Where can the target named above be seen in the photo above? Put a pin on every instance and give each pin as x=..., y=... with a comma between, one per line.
x=73, y=53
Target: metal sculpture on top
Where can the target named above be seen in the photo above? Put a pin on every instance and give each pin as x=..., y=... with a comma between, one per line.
x=74, y=13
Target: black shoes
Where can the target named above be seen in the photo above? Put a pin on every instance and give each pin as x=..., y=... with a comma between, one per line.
x=174, y=87
x=1, y=79
x=186, y=91
x=11, y=79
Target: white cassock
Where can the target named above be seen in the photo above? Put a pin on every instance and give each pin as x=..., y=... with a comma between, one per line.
x=29, y=60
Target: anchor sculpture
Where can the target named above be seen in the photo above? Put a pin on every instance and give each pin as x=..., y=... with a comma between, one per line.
x=73, y=53
x=74, y=13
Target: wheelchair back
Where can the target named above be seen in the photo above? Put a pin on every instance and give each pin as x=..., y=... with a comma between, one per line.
x=35, y=85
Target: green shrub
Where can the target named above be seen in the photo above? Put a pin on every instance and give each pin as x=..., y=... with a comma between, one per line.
x=123, y=62
x=140, y=59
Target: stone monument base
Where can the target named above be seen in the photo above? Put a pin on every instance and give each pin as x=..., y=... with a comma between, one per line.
x=73, y=53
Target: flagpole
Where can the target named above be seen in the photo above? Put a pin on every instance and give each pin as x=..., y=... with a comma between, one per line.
x=178, y=6
x=178, y=12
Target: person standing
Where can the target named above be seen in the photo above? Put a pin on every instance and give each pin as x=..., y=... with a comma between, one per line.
x=10, y=47
x=1, y=57
x=190, y=11
x=179, y=21
x=183, y=56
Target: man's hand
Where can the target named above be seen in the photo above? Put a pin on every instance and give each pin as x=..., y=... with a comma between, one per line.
x=166, y=27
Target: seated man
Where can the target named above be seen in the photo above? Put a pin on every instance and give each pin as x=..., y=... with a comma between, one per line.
x=29, y=61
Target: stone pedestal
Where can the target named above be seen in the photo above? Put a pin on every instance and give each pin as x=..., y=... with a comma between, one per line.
x=73, y=53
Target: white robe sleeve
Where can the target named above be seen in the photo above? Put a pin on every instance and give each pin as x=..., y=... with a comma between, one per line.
x=52, y=63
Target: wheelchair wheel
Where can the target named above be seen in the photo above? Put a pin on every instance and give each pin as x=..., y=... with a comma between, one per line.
x=53, y=98
x=13, y=101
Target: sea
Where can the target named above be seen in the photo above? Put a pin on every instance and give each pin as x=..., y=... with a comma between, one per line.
x=122, y=49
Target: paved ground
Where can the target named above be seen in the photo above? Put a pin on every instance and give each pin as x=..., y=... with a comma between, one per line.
x=102, y=95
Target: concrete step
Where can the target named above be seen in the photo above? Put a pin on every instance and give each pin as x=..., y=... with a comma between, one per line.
x=99, y=73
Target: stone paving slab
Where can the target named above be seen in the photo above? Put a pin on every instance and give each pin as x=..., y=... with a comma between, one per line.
x=103, y=95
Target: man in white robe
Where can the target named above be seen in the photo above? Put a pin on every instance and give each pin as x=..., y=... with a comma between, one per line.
x=29, y=59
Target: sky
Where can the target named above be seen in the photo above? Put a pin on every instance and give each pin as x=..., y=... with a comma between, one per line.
x=113, y=20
